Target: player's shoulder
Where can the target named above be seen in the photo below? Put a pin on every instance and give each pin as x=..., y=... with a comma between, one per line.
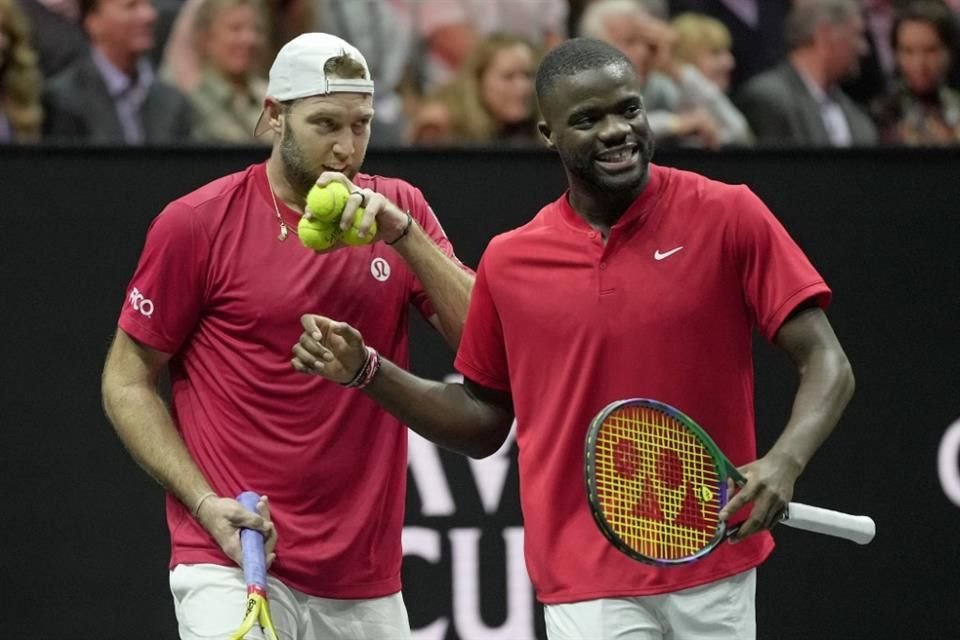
x=214, y=193
x=713, y=206
x=211, y=202
x=691, y=188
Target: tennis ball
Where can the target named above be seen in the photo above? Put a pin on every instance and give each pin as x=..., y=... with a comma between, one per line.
x=352, y=235
x=318, y=235
x=326, y=203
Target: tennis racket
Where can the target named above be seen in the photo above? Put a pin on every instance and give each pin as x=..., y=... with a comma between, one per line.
x=255, y=574
x=656, y=483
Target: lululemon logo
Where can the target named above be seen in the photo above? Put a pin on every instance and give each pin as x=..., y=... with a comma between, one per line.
x=380, y=269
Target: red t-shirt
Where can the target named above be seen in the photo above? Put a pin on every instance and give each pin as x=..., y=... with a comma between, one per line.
x=215, y=288
x=664, y=310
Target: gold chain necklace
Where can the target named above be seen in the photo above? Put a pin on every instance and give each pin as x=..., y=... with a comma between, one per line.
x=276, y=209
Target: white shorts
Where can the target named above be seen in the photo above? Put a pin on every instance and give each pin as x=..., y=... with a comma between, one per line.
x=722, y=610
x=209, y=601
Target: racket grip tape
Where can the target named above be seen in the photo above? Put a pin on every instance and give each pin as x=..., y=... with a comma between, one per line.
x=859, y=529
x=251, y=545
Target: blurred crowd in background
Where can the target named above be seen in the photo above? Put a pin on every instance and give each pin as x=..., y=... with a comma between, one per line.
x=715, y=73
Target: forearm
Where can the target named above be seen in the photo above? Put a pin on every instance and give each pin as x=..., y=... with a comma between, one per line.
x=447, y=284
x=444, y=413
x=826, y=386
x=145, y=427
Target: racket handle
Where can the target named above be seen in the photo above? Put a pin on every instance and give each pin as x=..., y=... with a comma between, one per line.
x=859, y=529
x=251, y=545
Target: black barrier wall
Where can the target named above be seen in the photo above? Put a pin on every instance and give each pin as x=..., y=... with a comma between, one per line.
x=83, y=532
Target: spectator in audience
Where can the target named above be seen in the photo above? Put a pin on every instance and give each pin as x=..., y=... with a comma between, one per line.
x=432, y=121
x=683, y=107
x=799, y=102
x=756, y=28
x=220, y=76
x=705, y=43
x=384, y=32
x=922, y=109
x=657, y=8
x=20, y=81
x=490, y=101
x=56, y=33
x=111, y=95
x=180, y=64
x=877, y=66
x=451, y=28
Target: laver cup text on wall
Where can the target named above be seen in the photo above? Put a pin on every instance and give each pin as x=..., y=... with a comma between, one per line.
x=482, y=590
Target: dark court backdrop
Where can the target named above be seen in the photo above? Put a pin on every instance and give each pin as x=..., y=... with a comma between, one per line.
x=83, y=533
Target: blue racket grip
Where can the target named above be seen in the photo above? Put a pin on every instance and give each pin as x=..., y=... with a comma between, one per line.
x=251, y=545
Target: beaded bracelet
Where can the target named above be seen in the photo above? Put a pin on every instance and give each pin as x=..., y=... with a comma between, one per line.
x=406, y=230
x=358, y=376
x=365, y=375
x=371, y=370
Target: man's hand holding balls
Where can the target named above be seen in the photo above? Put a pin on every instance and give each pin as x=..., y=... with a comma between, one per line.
x=337, y=213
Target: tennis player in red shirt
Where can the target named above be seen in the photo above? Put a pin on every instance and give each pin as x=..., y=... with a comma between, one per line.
x=216, y=299
x=638, y=281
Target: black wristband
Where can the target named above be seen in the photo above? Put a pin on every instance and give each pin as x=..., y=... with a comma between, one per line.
x=405, y=231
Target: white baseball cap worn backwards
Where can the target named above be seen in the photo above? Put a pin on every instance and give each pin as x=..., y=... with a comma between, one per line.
x=297, y=71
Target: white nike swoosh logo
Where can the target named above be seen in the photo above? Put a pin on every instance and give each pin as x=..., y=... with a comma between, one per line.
x=660, y=256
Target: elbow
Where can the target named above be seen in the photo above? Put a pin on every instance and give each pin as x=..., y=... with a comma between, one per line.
x=847, y=381
x=461, y=439
x=107, y=391
x=489, y=441
x=481, y=450
x=110, y=396
x=117, y=392
x=837, y=372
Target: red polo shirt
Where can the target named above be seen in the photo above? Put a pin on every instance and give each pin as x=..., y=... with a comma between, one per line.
x=216, y=289
x=665, y=309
